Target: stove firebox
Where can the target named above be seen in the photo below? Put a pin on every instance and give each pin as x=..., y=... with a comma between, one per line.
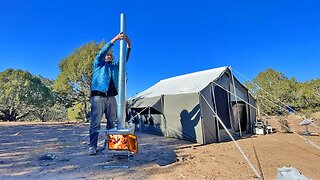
x=120, y=141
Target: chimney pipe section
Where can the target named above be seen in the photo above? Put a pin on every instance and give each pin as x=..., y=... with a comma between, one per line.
x=122, y=76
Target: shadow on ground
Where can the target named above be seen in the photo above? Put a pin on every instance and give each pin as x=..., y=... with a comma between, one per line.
x=23, y=146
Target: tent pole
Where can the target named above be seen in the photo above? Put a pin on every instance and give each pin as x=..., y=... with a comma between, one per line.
x=235, y=96
x=258, y=109
x=164, y=117
x=122, y=75
x=215, y=106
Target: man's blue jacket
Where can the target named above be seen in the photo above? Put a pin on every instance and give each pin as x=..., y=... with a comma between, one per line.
x=103, y=71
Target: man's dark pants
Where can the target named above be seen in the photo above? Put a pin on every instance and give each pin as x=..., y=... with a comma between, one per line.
x=100, y=105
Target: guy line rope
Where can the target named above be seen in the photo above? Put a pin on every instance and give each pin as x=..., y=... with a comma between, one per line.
x=303, y=117
x=237, y=145
x=310, y=142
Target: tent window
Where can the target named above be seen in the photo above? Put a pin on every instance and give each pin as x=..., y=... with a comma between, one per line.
x=221, y=98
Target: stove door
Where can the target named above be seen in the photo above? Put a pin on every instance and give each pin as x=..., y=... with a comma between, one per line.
x=133, y=143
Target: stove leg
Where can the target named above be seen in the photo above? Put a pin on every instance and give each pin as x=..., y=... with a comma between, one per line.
x=119, y=166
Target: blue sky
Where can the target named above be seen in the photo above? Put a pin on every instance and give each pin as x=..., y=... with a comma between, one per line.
x=169, y=37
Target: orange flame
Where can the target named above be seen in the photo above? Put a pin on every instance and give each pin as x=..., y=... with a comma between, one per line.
x=123, y=142
x=118, y=141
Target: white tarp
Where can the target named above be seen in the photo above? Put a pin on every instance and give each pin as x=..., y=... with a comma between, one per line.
x=188, y=83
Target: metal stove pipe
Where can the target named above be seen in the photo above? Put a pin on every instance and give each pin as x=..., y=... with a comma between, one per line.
x=122, y=75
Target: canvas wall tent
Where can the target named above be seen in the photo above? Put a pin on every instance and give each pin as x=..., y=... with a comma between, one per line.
x=179, y=107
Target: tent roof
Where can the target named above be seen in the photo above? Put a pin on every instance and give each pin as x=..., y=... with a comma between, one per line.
x=188, y=83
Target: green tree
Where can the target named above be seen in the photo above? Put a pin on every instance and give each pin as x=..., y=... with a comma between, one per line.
x=74, y=113
x=21, y=93
x=49, y=112
x=272, y=89
x=308, y=96
x=74, y=80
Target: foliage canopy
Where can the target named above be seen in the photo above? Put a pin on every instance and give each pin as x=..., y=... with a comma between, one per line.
x=74, y=81
x=275, y=93
x=22, y=93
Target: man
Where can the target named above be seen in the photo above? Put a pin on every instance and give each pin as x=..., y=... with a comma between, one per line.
x=104, y=89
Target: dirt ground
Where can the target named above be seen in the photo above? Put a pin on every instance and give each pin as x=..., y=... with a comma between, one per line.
x=22, y=145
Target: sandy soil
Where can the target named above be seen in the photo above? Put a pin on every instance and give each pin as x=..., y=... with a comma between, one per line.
x=22, y=144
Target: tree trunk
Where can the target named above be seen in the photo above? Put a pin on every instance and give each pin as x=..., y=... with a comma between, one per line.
x=85, y=111
x=22, y=116
x=9, y=114
x=43, y=114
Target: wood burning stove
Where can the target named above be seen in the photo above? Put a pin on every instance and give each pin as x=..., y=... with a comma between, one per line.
x=122, y=140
